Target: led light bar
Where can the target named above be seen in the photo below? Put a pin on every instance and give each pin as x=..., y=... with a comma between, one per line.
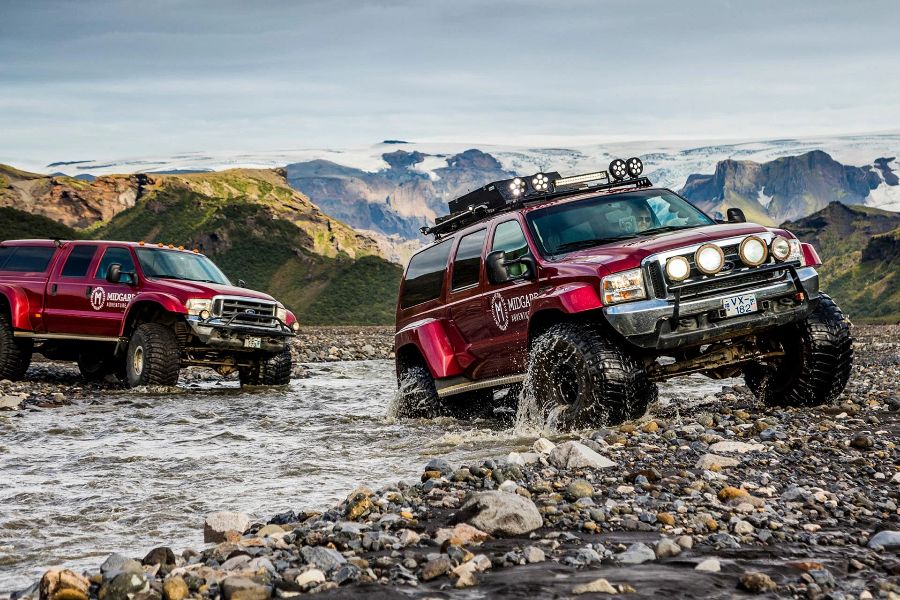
x=589, y=179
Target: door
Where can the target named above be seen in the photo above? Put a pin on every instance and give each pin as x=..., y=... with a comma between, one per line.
x=111, y=299
x=68, y=302
x=506, y=306
x=465, y=297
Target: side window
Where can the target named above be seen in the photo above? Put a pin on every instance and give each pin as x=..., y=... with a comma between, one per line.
x=509, y=238
x=425, y=275
x=467, y=264
x=120, y=256
x=5, y=253
x=27, y=259
x=79, y=261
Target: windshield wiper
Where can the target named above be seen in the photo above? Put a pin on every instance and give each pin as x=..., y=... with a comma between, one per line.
x=666, y=228
x=577, y=245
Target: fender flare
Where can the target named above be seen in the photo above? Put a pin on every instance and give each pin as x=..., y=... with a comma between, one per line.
x=167, y=302
x=571, y=298
x=439, y=343
x=19, y=306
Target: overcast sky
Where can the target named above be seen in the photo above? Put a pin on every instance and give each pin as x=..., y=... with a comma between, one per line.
x=94, y=79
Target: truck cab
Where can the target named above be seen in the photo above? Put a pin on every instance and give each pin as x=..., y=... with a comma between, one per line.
x=140, y=311
x=593, y=288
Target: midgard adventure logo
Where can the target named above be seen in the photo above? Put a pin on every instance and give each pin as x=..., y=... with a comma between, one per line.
x=100, y=299
x=512, y=310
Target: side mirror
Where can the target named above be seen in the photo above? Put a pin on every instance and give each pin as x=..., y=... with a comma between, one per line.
x=114, y=273
x=241, y=283
x=498, y=267
x=736, y=215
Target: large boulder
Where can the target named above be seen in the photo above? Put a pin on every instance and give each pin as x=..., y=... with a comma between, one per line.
x=885, y=539
x=575, y=455
x=500, y=513
x=218, y=524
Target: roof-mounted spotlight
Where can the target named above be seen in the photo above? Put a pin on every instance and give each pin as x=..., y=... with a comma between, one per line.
x=618, y=169
x=635, y=166
x=540, y=182
x=517, y=187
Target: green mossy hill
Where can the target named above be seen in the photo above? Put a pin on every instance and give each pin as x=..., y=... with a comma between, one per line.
x=18, y=225
x=860, y=250
x=259, y=230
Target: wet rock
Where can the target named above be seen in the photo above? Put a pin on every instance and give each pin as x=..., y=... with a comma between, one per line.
x=175, y=588
x=116, y=563
x=710, y=565
x=533, y=554
x=218, y=524
x=11, y=402
x=324, y=558
x=500, y=513
x=440, y=465
x=359, y=503
x=160, y=556
x=666, y=518
x=242, y=588
x=710, y=462
x=62, y=584
x=597, y=586
x=666, y=548
x=462, y=534
x=574, y=455
x=579, y=488
x=123, y=586
x=885, y=539
x=347, y=574
x=757, y=583
x=636, y=554
x=313, y=576
x=863, y=441
x=543, y=446
x=435, y=568
x=735, y=447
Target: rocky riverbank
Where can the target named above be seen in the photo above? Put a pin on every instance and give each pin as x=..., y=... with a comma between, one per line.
x=711, y=500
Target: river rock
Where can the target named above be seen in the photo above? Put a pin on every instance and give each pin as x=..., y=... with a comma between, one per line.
x=461, y=535
x=574, y=455
x=175, y=588
x=636, y=554
x=597, y=586
x=219, y=523
x=543, y=446
x=666, y=548
x=63, y=584
x=124, y=585
x=885, y=539
x=500, y=513
x=733, y=446
x=758, y=583
x=713, y=461
x=160, y=556
x=436, y=567
x=242, y=588
x=10, y=402
x=710, y=565
x=324, y=558
x=313, y=576
x=579, y=488
x=116, y=563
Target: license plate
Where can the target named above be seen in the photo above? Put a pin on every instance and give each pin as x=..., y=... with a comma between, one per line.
x=252, y=342
x=739, y=305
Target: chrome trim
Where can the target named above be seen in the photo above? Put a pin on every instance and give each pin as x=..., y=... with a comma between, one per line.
x=67, y=336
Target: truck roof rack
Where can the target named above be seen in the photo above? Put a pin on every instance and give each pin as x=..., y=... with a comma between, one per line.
x=509, y=194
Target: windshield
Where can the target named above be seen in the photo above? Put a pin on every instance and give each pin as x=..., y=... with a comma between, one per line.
x=176, y=264
x=573, y=226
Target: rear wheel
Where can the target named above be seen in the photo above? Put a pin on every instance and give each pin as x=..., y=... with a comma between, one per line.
x=15, y=354
x=417, y=395
x=580, y=379
x=817, y=361
x=153, y=356
x=274, y=369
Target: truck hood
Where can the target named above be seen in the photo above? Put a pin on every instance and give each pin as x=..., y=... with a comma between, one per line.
x=197, y=289
x=628, y=254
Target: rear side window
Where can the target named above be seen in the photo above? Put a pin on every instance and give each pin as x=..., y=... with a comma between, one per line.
x=79, y=261
x=112, y=256
x=467, y=264
x=425, y=275
x=26, y=259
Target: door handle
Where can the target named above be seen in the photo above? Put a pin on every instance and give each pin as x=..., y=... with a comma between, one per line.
x=53, y=290
x=87, y=293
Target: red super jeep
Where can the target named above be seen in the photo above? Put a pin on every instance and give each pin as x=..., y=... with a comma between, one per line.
x=597, y=286
x=136, y=310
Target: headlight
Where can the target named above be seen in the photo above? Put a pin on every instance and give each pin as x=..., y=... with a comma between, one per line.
x=281, y=313
x=753, y=251
x=710, y=259
x=796, y=252
x=781, y=248
x=196, y=305
x=622, y=287
x=678, y=268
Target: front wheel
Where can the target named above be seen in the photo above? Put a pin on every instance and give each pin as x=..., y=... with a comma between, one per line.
x=272, y=369
x=153, y=357
x=580, y=379
x=815, y=368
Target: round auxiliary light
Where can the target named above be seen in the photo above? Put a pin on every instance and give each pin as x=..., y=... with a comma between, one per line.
x=540, y=182
x=204, y=314
x=753, y=251
x=678, y=268
x=781, y=248
x=517, y=187
x=295, y=326
x=618, y=169
x=710, y=259
x=635, y=166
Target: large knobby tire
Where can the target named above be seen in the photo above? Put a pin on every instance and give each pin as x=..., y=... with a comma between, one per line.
x=817, y=362
x=272, y=369
x=15, y=354
x=581, y=379
x=417, y=396
x=153, y=357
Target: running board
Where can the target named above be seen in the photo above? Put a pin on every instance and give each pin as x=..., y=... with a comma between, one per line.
x=66, y=336
x=459, y=385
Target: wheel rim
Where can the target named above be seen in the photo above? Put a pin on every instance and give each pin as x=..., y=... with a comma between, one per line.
x=137, y=360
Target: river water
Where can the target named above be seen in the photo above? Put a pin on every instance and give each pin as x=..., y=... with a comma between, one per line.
x=127, y=471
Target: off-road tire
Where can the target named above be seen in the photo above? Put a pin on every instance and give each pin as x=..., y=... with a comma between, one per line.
x=96, y=365
x=417, y=396
x=272, y=369
x=153, y=356
x=581, y=378
x=15, y=354
x=817, y=362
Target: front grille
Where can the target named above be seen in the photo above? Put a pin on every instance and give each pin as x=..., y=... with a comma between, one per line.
x=246, y=311
x=751, y=279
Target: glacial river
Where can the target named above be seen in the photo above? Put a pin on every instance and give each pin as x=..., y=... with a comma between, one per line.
x=128, y=471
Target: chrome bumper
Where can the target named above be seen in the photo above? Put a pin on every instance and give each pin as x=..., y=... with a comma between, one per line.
x=664, y=324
